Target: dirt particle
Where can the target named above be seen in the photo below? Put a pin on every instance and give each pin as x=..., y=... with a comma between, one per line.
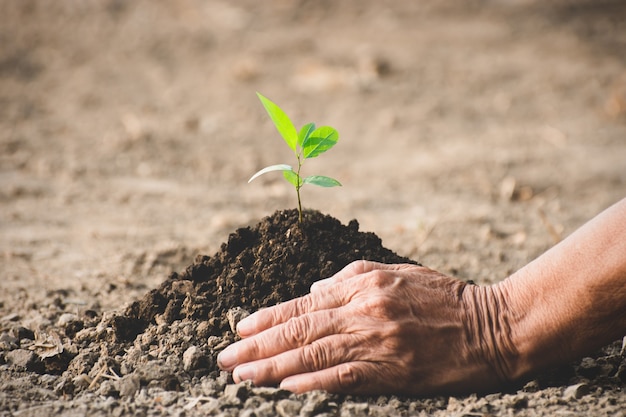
x=576, y=391
x=25, y=360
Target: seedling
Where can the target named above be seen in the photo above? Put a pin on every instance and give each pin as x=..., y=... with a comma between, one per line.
x=309, y=143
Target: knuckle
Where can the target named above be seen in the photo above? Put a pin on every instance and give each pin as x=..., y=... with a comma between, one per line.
x=315, y=357
x=360, y=266
x=303, y=304
x=295, y=331
x=380, y=279
x=381, y=306
x=283, y=312
x=350, y=377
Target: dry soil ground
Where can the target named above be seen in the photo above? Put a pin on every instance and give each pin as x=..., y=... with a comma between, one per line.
x=474, y=135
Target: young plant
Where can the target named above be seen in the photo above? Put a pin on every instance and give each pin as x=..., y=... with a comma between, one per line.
x=308, y=143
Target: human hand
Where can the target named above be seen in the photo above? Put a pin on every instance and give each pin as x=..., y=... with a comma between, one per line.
x=375, y=328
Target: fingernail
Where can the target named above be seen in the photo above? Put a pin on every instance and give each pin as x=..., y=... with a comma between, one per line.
x=246, y=372
x=289, y=385
x=246, y=326
x=227, y=358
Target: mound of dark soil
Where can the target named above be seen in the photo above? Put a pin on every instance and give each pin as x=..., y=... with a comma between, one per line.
x=274, y=261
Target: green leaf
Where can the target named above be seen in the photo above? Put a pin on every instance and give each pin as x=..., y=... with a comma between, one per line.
x=321, y=140
x=282, y=122
x=322, y=181
x=293, y=178
x=279, y=167
x=305, y=132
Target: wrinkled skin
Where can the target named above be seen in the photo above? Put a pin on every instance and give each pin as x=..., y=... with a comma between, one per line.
x=375, y=328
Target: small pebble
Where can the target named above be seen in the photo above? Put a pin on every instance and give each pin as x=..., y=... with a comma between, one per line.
x=128, y=385
x=25, y=359
x=22, y=332
x=288, y=408
x=235, y=315
x=66, y=318
x=193, y=358
x=576, y=391
x=315, y=403
x=237, y=393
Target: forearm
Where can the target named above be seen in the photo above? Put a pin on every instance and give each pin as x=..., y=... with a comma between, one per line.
x=572, y=299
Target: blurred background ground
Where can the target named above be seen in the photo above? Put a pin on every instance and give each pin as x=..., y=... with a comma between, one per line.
x=474, y=135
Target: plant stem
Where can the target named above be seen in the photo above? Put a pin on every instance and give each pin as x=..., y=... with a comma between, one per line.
x=298, y=190
x=299, y=205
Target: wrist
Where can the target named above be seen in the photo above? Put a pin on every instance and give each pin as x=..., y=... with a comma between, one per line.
x=536, y=337
x=490, y=333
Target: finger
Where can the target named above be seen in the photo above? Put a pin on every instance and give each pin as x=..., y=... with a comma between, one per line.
x=354, y=269
x=280, y=313
x=349, y=271
x=318, y=355
x=349, y=377
x=294, y=333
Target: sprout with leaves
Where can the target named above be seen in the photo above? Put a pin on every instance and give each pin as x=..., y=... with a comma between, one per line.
x=309, y=143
